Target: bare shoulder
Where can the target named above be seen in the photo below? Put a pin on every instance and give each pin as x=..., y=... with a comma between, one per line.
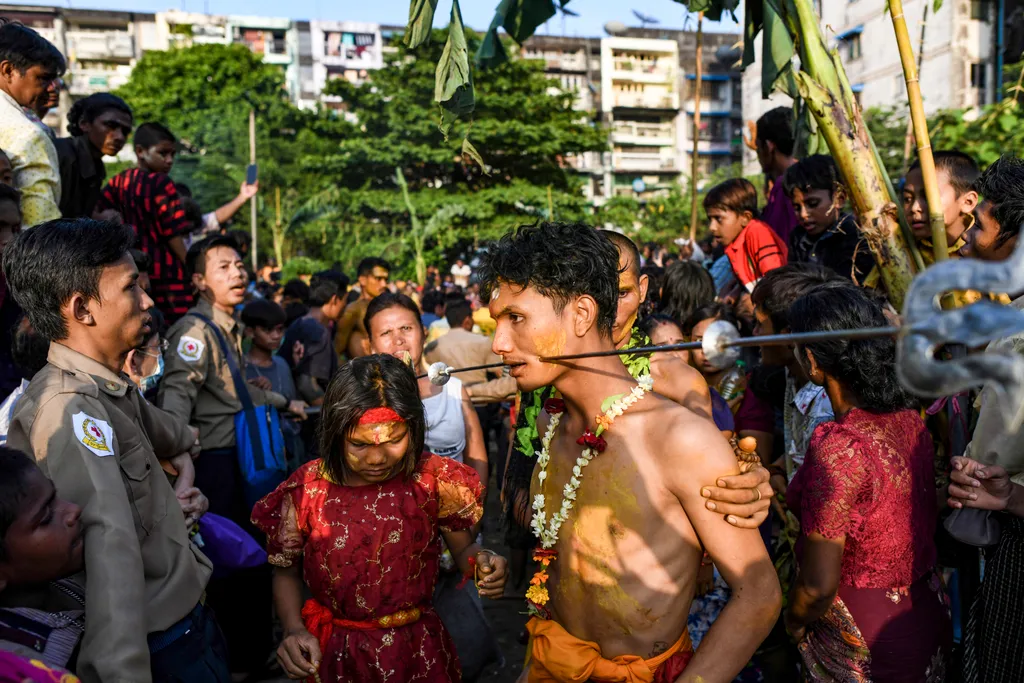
x=691, y=449
x=679, y=382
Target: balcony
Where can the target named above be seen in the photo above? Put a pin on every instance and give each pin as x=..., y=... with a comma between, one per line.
x=101, y=45
x=566, y=62
x=637, y=161
x=642, y=71
x=640, y=100
x=89, y=81
x=632, y=133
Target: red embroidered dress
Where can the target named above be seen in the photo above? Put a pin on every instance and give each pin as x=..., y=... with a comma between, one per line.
x=370, y=552
x=869, y=477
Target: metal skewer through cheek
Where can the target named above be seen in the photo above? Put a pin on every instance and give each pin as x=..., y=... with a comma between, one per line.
x=721, y=345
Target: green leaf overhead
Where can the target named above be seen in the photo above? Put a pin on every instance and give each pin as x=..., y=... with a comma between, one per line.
x=712, y=9
x=453, y=84
x=520, y=19
x=421, y=21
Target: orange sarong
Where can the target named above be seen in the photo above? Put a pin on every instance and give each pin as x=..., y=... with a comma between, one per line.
x=556, y=656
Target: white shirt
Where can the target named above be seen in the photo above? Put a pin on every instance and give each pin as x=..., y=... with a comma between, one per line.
x=804, y=411
x=460, y=274
x=7, y=410
x=446, y=425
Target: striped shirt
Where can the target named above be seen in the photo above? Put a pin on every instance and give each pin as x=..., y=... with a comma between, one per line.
x=149, y=202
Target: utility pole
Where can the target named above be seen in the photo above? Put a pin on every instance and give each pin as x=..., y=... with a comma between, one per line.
x=252, y=202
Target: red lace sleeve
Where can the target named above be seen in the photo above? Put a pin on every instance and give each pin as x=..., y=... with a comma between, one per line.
x=460, y=494
x=277, y=515
x=836, y=477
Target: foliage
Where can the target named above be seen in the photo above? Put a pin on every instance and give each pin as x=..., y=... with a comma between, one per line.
x=888, y=128
x=302, y=265
x=204, y=94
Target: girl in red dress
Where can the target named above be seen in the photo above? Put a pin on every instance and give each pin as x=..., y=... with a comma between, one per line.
x=364, y=523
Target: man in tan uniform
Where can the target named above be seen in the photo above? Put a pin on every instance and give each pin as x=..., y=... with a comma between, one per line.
x=197, y=387
x=100, y=442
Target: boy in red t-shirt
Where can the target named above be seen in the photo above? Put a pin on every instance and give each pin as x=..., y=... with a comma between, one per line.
x=753, y=248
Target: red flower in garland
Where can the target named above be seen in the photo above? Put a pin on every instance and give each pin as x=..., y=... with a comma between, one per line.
x=591, y=440
x=554, y=406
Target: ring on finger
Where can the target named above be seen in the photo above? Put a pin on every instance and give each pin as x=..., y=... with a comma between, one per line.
x=758, y=491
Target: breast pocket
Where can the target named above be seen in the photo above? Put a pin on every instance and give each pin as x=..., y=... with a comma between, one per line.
x=149, y=507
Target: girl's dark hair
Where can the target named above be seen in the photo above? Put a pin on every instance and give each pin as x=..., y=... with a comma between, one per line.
x=688, y=286
x=865, y=367
x=655, y=280
x=387, y=300
x=88, y=108
x=718, y=311
x=14, y=469
x=649, y=323
x=361, y=384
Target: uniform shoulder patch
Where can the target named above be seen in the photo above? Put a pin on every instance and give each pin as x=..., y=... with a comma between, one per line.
x=191, y=349
x=94, y=433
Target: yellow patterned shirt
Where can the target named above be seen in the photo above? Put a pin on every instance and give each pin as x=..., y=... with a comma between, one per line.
x=34, y=161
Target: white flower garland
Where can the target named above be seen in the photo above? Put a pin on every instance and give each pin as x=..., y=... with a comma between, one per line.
x=548, y=533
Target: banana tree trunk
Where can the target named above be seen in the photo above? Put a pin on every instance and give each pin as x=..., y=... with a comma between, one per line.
x=823, y=85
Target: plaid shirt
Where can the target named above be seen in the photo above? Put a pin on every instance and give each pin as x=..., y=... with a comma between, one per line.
x=149, y=202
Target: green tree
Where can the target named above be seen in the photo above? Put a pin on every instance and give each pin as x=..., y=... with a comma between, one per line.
x=204, y=94
x=888, y=128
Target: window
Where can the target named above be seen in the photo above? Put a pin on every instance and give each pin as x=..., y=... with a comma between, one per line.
x=853, y=47
x=980, y=10
x=709, y=90
x=979, y=70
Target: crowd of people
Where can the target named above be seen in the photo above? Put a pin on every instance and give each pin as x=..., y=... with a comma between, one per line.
x=211, y=475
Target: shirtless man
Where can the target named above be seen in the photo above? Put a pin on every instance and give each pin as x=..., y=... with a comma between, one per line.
x=673, y=379
x=629, y=550
x=351, y=338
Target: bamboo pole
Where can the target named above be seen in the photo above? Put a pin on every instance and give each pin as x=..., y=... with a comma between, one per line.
x=924, y=145
x=278, y=233
x=908, y=142
x=252, y=202
x=694, y=158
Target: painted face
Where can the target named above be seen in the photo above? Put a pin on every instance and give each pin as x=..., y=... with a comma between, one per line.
x=398, y=332
x=816, y=210
x=45, y=541
x=6, y=171
x=725, y=224
x=700, y=361
x=528, y=329
x=109, y=131
x=983, y=238
x=668, y=334
x=122, y=310
x=915, y=205
x=373, y=452
x=631, y=295
x=224, y=279
x=375, y=282
x=10, y=223
x=159, y=158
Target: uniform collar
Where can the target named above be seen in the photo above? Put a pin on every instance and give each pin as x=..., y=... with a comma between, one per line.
x=65, y=358
x=223, y=320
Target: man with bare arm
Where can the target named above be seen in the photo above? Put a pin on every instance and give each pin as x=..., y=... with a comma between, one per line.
x=617, y=493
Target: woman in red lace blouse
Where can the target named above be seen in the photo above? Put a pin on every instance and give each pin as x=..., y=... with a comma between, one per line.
x=364, y=523
x=867, y=605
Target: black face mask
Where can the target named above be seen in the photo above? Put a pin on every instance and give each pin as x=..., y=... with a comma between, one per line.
x=29, y=350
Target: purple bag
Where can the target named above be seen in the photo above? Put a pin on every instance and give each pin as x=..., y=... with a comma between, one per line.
x=228, y=546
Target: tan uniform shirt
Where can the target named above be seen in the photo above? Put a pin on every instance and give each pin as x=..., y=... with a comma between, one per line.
x=94, y=435
x=462, y=349
x=197, y=385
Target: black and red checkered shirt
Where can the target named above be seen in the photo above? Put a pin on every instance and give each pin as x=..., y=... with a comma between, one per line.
x=150, y=203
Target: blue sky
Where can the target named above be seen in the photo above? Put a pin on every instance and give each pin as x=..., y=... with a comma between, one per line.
x=476, y=13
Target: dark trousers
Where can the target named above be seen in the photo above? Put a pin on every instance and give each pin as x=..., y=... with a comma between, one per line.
x=243, y=600
x=198, y=656
x=491, y=420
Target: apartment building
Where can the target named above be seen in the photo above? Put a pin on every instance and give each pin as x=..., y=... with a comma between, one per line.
x=957, y=69
x=344, y=49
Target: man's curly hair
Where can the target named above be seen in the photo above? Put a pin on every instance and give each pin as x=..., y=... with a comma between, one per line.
x=1002, y=185
x=561, y=261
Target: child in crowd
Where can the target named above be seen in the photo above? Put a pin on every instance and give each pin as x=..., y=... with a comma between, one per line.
x=363, y=522
x=753, y=248
x=148, y=200
x=825, y=235
x=264, y=325
x=956, y=173
x=42, y=607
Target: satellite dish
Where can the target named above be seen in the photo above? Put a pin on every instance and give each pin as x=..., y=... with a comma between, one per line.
x=568, y=12
x=728, y=53
x=644, y=19
x=614, y=28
